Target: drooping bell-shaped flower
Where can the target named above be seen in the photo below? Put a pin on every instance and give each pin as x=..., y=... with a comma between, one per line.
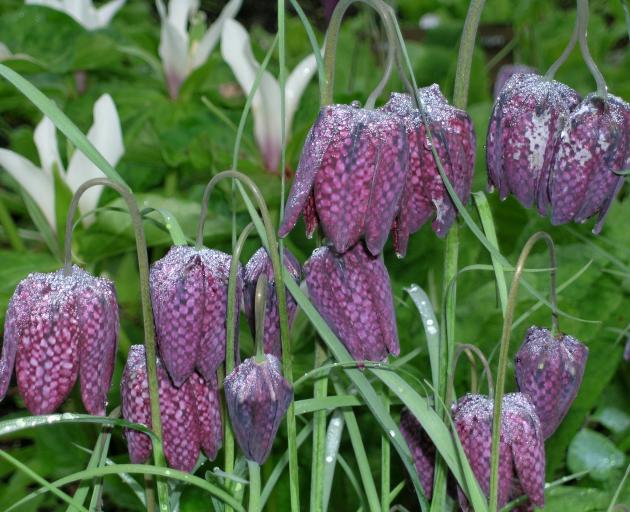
x=549, y=369
x=258, y=264
x=593, y=146
x=350, y=177
x=58, y=328
x=422, y=449
x=521, y=448
x=425, y=195
x=257, y=397
x=189, y=294
x=524, y=128
x=508, y=71
x=353, y=294
x=190, y=414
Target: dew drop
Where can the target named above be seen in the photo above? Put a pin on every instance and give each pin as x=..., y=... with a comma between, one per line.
x=392, y=433
x=329, y=459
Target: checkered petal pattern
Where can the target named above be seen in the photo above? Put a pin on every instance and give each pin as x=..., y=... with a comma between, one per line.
x=257, y=397
x=189, y=295
x=422, y=449
x=353, y=294
x=258, y=264
x=506, y=72
x=56, y=328
x=549, y=370
x=425, y=195
x=210, y=424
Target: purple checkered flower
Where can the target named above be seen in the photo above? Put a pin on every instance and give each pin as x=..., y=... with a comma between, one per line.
x=58, y=328
x=189, y=295
x=257, y=397
x=421, y=447
x=425, y=195
x=508, y=71
x=190, y=414
x=521, y=448
x=258, y=264
x=353, y=294
x=528, y=116
x=593, y=146
x=350, y=177
x=549, y=370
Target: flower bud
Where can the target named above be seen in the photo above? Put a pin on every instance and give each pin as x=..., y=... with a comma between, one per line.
x=189, y=295
x=425, y=195
x=259, y=263
x=257, y=397
x=57, y=328
x=353, y=294
x=190, y=414
x=549, y=370
x=350, y=177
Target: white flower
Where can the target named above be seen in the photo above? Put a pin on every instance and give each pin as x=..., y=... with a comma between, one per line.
x=179, y=56
x=83, y=11
x=105, y=134
x=237, y=52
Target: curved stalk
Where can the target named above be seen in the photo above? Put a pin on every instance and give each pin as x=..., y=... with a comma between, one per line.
x=147, y=311
x=551, y=72
x=468, y=349
x=259, y=312
x=505, y=344
x=582, y=14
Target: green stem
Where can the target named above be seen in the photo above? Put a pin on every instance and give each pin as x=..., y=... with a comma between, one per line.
x=147, y=311
x=254, y=486
x=385, y=464
x=320, y=390
x=582, y=14
x=10, y=229
x=259, y=312
x=565, y=54
x=504, y=352
x=467, y=348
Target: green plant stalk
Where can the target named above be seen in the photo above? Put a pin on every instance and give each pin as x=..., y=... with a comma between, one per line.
x=260, y=304
x=320, y=390
x=469, y=350
x=504, y=352
x=147, y=311
x=9, y=228
x=254, y=486
x=582, y=16
x=273, y=251
x=385, y=464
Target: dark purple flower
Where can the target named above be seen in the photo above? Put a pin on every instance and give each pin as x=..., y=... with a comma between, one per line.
x=350, y=177
x=549, y=370
x=626, y=350
x=506, y=72
x=521, y=448
x=57, y=328
x=594, y=144
x=421, y=447
x=425, y=195
x=353, y=294
x=259, y=263
x=190, y=414
x=189, y=295
x=257, y=397
x=525, y=125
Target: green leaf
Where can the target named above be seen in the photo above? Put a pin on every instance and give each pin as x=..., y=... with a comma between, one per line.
x=594, y=452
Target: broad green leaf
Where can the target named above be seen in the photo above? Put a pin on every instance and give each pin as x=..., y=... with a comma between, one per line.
x=594, y=452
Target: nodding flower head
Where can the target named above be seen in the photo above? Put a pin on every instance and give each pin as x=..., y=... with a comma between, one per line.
x=521, y=448
x=549, y=369
x=59, y=327
x=353, y=294
x=190, y=414
x=257, y=397
x=422, y=449
x=258, y=264
x=425, y=195
x=189, y=294
x=508, y=71
x=350, y=177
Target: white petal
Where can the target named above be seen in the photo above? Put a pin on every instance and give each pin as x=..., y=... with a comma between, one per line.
x=106, y=136
x=5, y=53
x=179, y=11
x=237, y=52
x=295, y=85
x=45, y=138
x=53, y=4
x=173, y=49
x=108, y=11
x=209, y=40
x=33, y=180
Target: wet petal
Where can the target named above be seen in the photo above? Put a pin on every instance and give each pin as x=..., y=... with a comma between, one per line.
x=208, y=406
x=422, y=449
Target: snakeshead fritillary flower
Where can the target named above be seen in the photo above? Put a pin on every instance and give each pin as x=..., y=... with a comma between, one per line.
x=191, y=414
x=189, y=295
x=352, y=292
x=521, y=449
x=549, y=370
x=594, y=144
x=524, y=128
x=424, y=194
x=350, y=177
x=421, y=447
x=59, y=327
x=257, y=397
x=259, y=263
x=508, y=71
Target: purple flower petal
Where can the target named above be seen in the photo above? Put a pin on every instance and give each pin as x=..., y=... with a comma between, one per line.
x=208, y=405
x=422, y=449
